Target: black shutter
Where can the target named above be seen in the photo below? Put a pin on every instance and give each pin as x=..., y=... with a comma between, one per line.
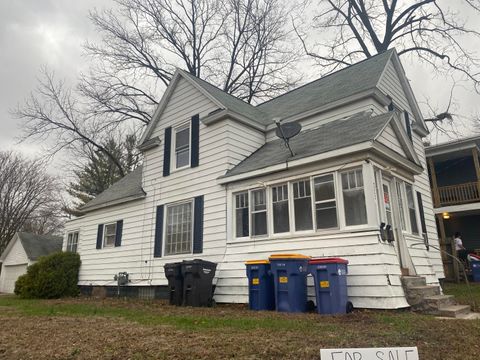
x=194, y=154
x=408, y=126
x=157, y=251
x=99, y=236
x=166, y=151
x=118, y=233
x=422, y=218
x=198, y=226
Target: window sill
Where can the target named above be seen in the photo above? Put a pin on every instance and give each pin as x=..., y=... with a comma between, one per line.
x=300, y=235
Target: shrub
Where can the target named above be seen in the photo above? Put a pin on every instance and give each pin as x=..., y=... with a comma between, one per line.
x=51, y=277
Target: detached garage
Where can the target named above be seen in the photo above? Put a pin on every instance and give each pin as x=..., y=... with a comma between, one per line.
x=23, y=250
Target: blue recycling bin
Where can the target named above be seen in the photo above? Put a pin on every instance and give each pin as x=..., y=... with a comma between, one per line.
x=261, y=291
x=475, y=265
x=290, y=277
x=330, y=278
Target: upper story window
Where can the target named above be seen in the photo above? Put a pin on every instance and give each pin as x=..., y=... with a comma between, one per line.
x=109, y=234
x=72, y=241
x=354, y=197
x=182, y=146
x=179, y=229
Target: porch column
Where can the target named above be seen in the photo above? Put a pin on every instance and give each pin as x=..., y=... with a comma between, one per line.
x=436, y=196
x=477, y=168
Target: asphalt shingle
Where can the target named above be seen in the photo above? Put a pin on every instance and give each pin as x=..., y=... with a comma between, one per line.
x=334, y=135
x=40, y=245
x=130, y=186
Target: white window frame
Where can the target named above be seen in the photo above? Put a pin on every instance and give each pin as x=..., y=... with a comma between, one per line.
x=104, y=242
x=270, y=219
x=179, y=128
x=70, y=244
x=343, y=219
x=247, y=192
x=335, y=176
x=165, y=224
x=340, y=210
x=402, y=205
x=251, y=212
x=417, y=212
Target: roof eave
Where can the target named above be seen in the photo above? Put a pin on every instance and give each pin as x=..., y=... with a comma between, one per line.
x=86, y=209
x=225, y=113
x=403, y=162
x=149, y=144
x=5, y=252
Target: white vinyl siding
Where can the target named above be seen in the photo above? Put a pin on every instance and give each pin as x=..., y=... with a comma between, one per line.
x=179, y=229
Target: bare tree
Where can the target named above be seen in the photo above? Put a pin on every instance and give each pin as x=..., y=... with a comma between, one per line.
x=429, y=30
x=52, y=110
x=25, y=189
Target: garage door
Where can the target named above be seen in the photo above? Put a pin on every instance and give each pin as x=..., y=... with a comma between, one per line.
x=9, y=275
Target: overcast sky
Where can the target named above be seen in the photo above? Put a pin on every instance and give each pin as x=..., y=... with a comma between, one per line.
x=34, y=33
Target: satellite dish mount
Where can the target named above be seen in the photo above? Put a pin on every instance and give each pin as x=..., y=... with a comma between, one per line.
x=287, y=131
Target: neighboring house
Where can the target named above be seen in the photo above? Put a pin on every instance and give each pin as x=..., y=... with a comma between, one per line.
x=455, y=178
x=23, y=250
x=217, y=184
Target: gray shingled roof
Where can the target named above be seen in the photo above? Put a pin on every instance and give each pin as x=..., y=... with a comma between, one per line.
x=334, y=135
x=346, y=82
x=128, y=187
x=39, y=245
x=231, y=102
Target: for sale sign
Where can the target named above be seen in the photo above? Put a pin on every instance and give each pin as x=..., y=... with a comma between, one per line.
x=399, y=353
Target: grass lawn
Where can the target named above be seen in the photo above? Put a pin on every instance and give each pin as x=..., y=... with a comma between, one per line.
x=88, y=328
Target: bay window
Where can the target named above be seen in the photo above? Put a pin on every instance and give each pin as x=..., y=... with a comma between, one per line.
x=259, y=212
x=302, y=204
x=325, y=202
x=354, y=197
x=280, y=212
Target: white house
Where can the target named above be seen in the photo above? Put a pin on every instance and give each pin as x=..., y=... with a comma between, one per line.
x=22, y=251
x=217, y=184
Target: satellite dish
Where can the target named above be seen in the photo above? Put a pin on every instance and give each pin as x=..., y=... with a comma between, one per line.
x=287, y=131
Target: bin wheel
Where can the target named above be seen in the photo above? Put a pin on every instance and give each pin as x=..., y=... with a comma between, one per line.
x=310, y=306
x=349, y=307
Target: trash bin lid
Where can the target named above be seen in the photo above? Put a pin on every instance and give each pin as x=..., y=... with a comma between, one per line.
x=328, y=261
x=256, y=262
x=288, y=256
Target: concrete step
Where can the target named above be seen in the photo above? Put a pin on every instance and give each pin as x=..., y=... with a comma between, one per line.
x=438, y=301
x=454, y=310
x=469, y=316
x=409, y=281
x=416, y=294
